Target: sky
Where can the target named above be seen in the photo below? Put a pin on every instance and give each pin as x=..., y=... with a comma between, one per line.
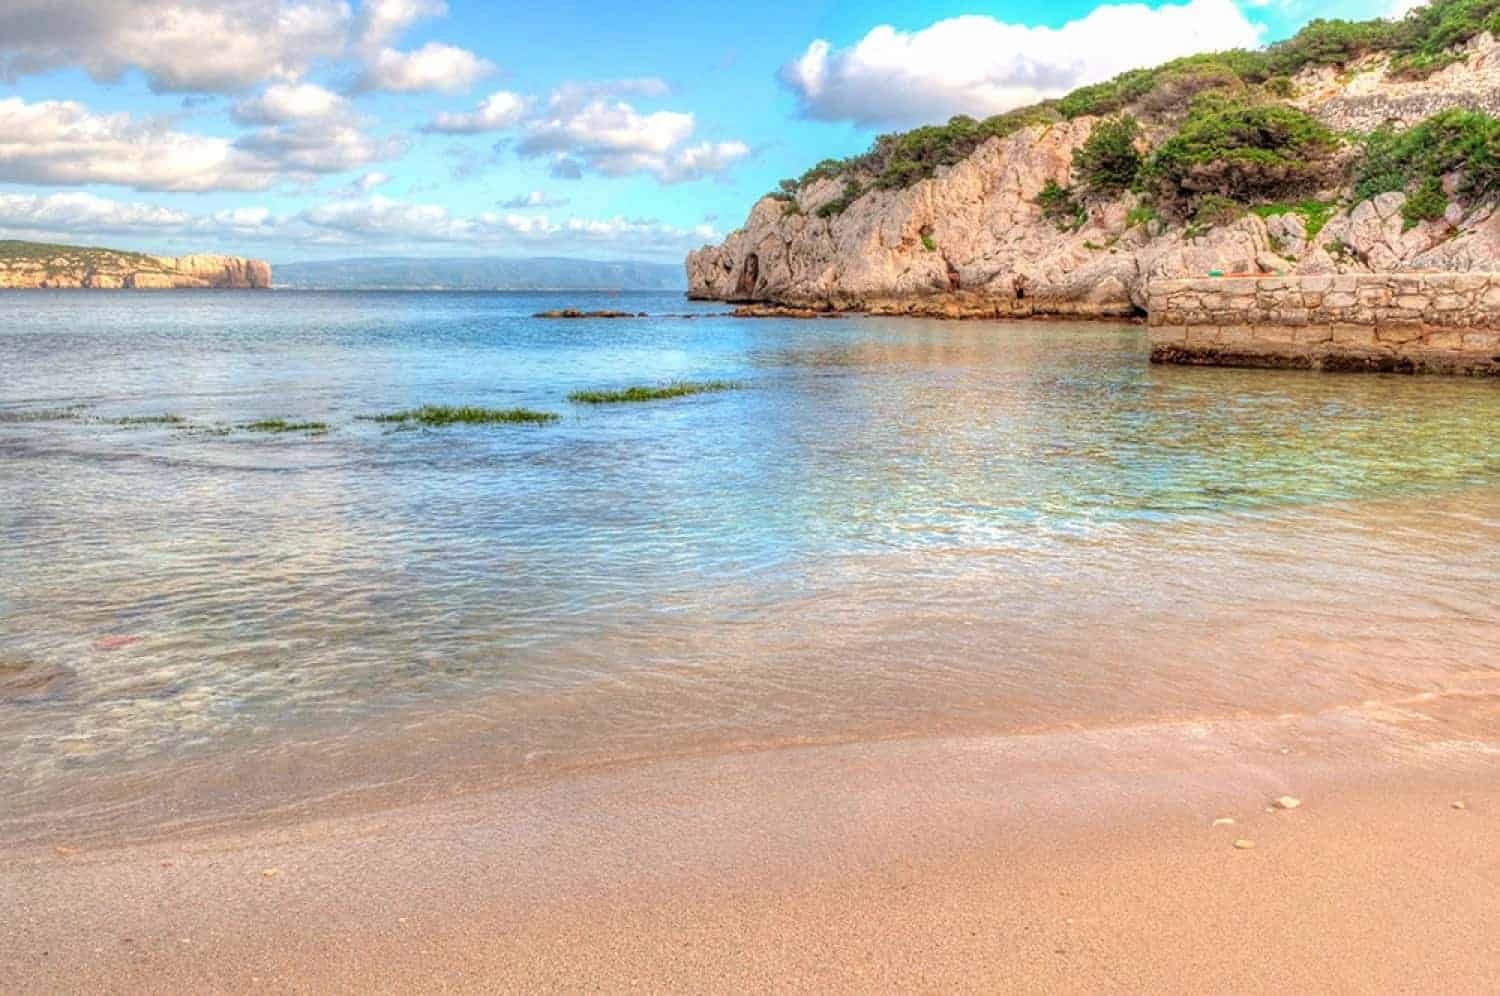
x=316, y=129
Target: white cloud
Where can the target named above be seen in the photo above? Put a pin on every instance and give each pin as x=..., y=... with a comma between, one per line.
x=978, y=65
x=63, y=143
x=228, y=46
x=365, y=223
x=534, y=199
x=1400, y=8
x=78, y=212
x=579, y=130
x=382, y=20
x=705, y=159
x=498, y=111
x=180, y=45
x=370, y=181
x=312, y=148
x=386, y=222
x=290, y=102
x=434, y=66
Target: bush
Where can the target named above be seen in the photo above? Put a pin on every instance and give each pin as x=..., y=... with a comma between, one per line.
x=1057, y=204
x=898, y=161
x=1109, y=96
x=1281, y=86
x=1331, y=43
x=1454, y=140
x=1428, y=203
x=852, y=192
x=1214, y=210
x=825, y=170
x=1141, y=214
x=1108, y=162
x=1427, y=32
x=1244, y=152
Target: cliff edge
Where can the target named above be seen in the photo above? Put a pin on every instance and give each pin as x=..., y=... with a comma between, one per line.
x=30, y=265
x=1348, y=149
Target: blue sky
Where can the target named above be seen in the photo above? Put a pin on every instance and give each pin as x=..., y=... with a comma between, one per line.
x=324, y=128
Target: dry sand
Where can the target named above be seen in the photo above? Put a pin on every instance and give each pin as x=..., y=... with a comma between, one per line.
x=1073, y=861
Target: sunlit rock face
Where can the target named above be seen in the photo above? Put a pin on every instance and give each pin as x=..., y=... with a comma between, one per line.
x=26, y=266
x=972, y=241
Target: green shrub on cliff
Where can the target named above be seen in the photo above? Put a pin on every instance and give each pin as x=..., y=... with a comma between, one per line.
x=1057, y=204
x=1427, y=203
x=1245, y=152
x=1108, y=160
x=1423, y=40
x=1461, y=141
x=837, y=206
x=900, y=160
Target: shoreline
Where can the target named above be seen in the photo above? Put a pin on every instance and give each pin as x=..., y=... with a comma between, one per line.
x=1081, y=859
x=1065, y=860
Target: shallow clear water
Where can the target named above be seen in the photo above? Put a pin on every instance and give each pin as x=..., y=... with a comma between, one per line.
x=893, y=526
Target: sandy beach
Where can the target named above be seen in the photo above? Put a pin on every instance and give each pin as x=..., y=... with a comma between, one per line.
x=1075, y=860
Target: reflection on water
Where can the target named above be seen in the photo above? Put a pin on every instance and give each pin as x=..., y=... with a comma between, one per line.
x=895, y=526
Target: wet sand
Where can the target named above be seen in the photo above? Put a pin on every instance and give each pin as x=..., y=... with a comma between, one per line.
x=1072, y=860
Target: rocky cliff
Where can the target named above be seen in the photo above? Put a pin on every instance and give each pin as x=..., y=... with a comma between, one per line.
x=28, y=265
x=973, y=239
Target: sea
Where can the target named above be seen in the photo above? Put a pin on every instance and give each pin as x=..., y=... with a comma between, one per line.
x=887, y=528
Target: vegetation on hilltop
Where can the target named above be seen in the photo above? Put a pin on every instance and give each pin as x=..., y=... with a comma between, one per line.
x=1235, y=138
x=14, y=250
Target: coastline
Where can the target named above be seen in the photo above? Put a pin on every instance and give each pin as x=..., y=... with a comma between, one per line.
x=1079, y=860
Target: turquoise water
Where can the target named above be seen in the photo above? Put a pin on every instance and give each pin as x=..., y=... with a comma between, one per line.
x=892, y=526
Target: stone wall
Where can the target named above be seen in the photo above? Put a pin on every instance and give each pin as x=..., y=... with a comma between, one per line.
x=1391, y=322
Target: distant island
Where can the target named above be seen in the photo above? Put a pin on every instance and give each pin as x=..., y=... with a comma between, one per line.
x=480, y=273
x=36, y=265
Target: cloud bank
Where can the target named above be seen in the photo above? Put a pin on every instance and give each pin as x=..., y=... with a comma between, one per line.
x=979, y=65
x=362, y=222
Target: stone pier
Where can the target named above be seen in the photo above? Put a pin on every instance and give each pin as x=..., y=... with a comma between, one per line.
x=1384, y=322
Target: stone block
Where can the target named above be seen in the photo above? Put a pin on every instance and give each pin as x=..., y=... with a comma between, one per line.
x=1443, y=339
x=1449, y=302
x=1340, y=298
x=1353, y=335
x=1399, y=332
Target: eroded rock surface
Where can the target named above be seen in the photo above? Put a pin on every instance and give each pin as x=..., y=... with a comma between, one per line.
x=31, y=265
x=972, y=241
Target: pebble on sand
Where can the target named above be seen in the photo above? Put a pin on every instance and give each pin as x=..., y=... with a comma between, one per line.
x=1243, y=844
x=1288, y=802
x=1460, y=805
x=1224, y=821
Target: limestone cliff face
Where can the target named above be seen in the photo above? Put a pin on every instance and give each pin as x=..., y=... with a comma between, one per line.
x=32, y=265
x=972, y=242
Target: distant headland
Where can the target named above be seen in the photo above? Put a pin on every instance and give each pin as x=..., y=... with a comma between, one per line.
x=32, y=265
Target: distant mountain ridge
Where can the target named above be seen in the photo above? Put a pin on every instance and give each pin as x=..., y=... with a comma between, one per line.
x=546, y=273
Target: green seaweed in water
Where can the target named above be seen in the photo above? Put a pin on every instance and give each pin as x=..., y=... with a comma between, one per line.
x=444, y=415
x=676, y=389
